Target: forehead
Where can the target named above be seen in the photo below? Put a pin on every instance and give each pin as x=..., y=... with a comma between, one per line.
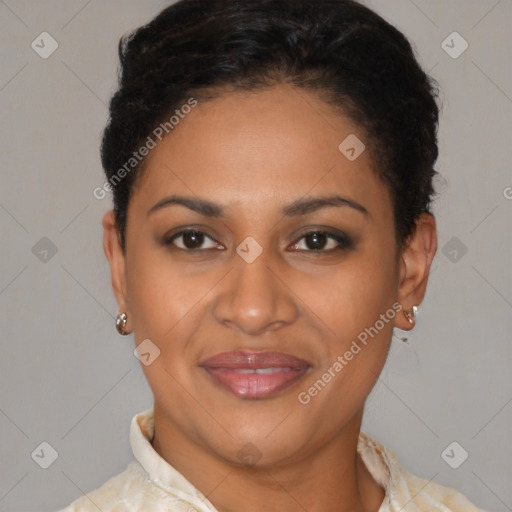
x=262, y=148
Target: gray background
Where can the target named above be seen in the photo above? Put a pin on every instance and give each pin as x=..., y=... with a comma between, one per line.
x=68, y=379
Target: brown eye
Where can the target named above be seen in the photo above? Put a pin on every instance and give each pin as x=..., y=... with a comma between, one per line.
x=322, y=241
x=316, y=241
x=192, y=240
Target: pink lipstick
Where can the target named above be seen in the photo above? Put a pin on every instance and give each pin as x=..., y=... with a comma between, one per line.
x=255, y=374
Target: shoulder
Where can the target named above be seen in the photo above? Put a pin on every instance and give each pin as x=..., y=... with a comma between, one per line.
x=405, y=491
x=124, y=492
x=430, y=496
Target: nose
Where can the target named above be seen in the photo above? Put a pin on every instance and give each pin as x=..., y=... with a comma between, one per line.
x=256, y=298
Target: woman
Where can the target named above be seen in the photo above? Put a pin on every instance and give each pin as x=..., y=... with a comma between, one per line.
x=271, y=163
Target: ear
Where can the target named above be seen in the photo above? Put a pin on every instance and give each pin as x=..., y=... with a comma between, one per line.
x=415, y=261
x=116, y=259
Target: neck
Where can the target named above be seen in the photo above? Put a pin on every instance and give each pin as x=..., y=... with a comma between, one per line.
x=331, y=479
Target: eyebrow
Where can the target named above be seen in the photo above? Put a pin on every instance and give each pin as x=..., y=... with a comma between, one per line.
x=299, y=207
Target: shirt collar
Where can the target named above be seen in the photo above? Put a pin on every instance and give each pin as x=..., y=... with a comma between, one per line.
x=159, y=471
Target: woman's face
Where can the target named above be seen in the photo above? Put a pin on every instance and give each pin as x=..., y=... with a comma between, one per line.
x=292, y=263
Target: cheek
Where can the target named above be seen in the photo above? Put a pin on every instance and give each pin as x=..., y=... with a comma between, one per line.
x=358, y=309
x=160, y=298
x=167, y=306
x=356, y=292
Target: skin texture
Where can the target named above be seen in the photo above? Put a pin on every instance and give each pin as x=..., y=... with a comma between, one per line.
x=253, y=154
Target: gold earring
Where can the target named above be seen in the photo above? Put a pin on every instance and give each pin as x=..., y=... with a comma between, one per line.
x=121, y=319
x=411, y=315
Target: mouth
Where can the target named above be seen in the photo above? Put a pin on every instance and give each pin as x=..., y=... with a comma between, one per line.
x=255, y=374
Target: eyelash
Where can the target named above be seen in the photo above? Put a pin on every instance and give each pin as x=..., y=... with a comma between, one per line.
x=343, y=241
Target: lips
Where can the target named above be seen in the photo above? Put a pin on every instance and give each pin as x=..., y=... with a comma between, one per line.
x=255, y=374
